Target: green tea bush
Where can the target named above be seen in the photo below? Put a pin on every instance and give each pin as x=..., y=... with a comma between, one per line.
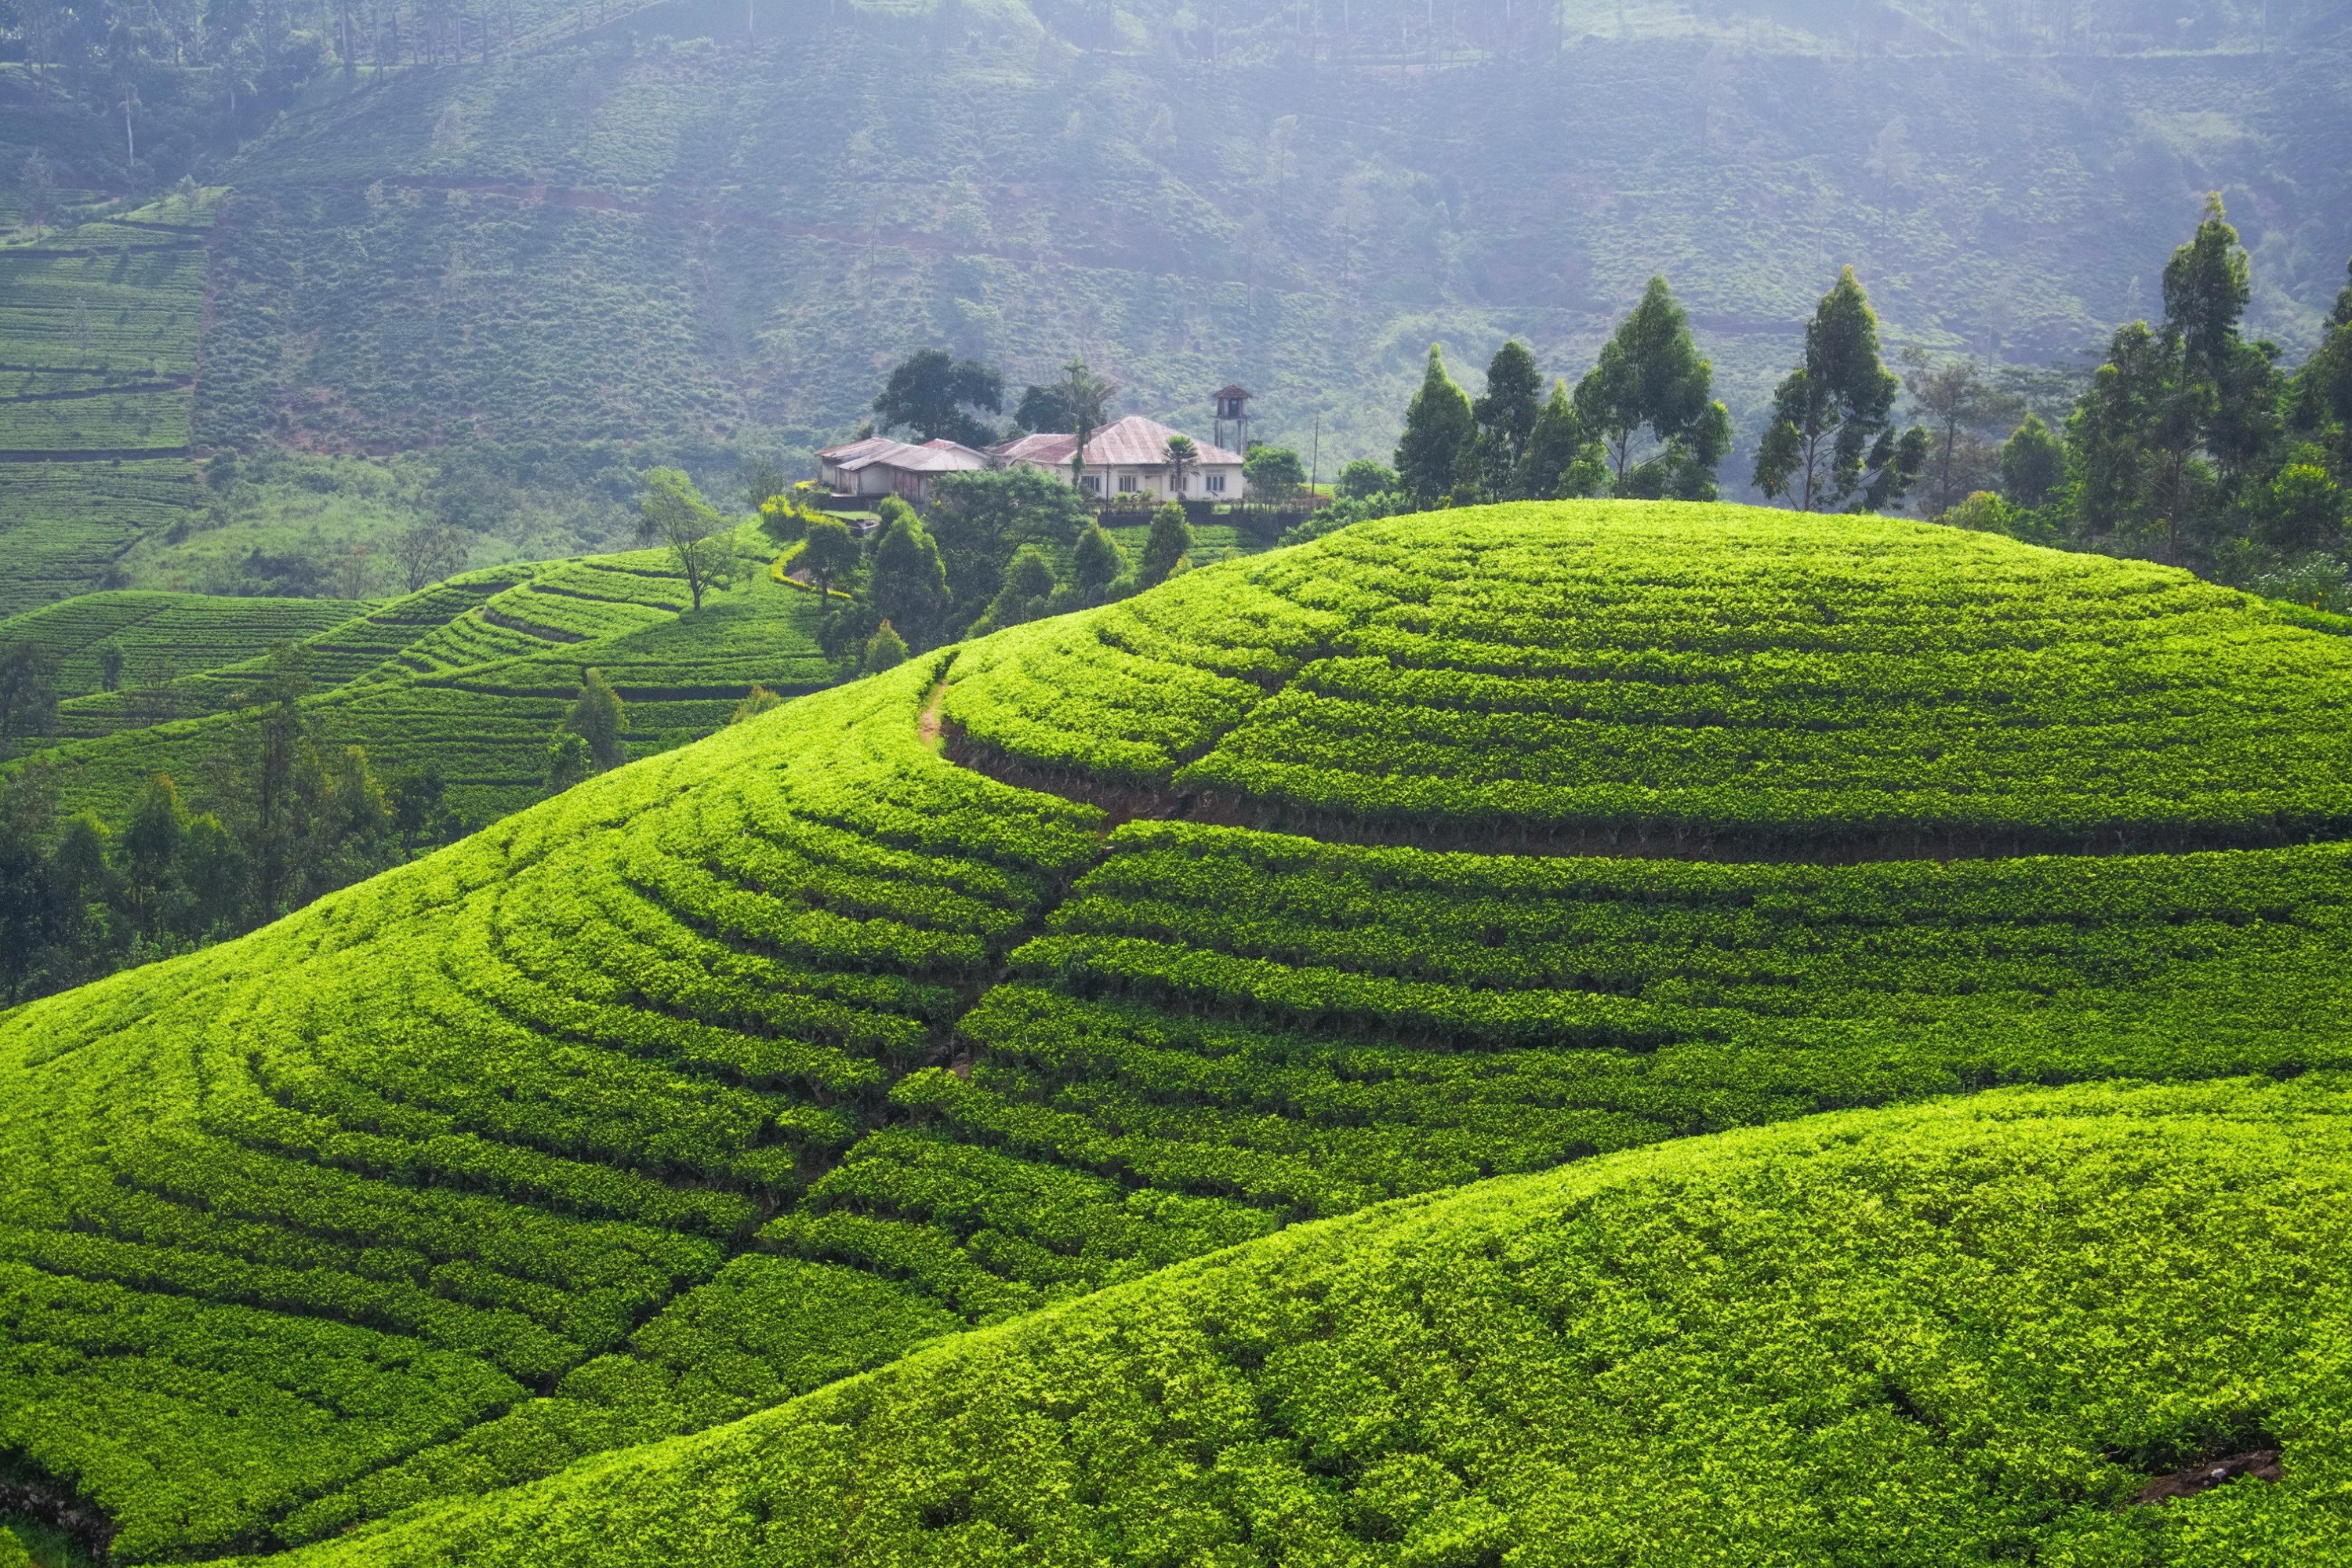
x=193, y=631
x=755, y=1063
x=1969, y=1332
x=1535, y=676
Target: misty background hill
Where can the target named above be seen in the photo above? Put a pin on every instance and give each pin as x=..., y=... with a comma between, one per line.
x=703, y=230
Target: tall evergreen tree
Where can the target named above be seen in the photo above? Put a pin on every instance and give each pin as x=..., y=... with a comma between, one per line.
x=1832, y=445
x=1437, y=427
x=2180, y=424
x=1651, y=381
x=908, y=585
x=1560, y=460
x=1504, y=417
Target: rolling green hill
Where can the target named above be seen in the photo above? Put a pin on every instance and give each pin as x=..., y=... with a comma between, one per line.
x=1970, y=1333
x=1036, y=966
x=470, y=677
x=193, y=630
x=98, y=352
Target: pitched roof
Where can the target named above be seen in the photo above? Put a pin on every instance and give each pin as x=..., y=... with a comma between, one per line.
x=1132, y=442
x=848, y=450
x=931, y=457
x=1053, y=451
x=1231, y=390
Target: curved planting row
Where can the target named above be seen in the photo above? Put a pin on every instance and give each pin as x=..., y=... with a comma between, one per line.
x=1688, y=679
x=721, y=1077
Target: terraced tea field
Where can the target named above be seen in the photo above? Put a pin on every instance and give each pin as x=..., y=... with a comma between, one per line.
x=1034, y=967
x=470, y=677
x=187, y=630
x=97, y=358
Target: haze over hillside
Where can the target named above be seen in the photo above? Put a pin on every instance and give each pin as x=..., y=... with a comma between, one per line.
x=629, y=236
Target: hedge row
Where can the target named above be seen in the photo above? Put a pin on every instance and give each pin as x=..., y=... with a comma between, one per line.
x=1693, y=670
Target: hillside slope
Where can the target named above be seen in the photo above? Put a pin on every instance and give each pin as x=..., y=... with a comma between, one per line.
x=468, y=677
x=1299, y=217
x=1971, y=1334
x=761, y=1061
x=99, y=334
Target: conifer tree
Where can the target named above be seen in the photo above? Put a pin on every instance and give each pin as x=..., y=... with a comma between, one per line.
x=1504, y=417
x=1650, y=378
x=1437, y=427
x=909, y=584
x=2032, y=464
x=1165, y=548
x=1832, y=445
x=1560, y=460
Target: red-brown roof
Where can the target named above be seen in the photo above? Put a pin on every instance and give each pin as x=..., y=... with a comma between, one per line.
x=1230, y=390
x=1132, y=442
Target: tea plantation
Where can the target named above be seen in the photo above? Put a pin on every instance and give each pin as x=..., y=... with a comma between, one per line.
x=98, y=356
x=199, y=631
x=1310, y=885
x=470, y=677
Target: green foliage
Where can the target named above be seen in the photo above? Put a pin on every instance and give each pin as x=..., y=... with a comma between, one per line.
x=1560, y=460
x=1437, y=428
x=981, y=520
x=700, y=541
x=757, y=700
x=1095, y=563
x=905, y=582
x=1382, y=677
x=1364, y=478
x=1166, y=548
x=600, y=720
x=143, y=630
x=1275, y=475
x=1651, y=381
x=569, y=761
x=2032, y=464
x=830, y=551
x=1831, y=445
x=886, y=650
x=931, y=393
x=1951, y=1334
x=756, y=1063
x=1028, y=587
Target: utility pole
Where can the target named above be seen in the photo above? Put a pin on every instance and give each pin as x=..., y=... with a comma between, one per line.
x=1315, y=462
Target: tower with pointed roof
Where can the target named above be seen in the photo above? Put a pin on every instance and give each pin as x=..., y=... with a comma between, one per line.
x=1232, y=408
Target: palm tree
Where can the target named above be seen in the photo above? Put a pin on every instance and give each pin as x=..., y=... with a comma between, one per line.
x=1087, y=397
x=1181, y=454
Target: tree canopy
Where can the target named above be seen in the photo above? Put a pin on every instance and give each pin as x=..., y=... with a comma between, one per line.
x=939, y=396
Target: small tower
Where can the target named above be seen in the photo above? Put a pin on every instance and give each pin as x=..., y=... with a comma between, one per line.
x=1233, y=408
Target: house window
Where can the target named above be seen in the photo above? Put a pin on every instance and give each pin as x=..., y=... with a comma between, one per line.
x=1091, y=484
x=1213, y=483
x=1127, y=484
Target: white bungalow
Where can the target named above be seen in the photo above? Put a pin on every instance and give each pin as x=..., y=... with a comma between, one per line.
x=878, y=466
x=1130, y=458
